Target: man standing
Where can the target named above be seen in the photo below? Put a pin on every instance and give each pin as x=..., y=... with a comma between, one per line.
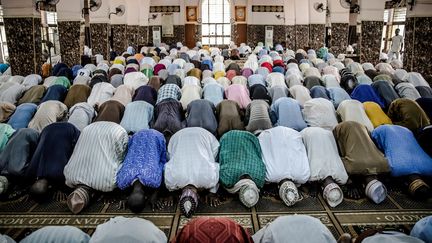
x=396, y=45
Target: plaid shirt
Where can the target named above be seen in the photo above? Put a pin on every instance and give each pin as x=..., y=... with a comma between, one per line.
x=169, y=91
x=240, y=154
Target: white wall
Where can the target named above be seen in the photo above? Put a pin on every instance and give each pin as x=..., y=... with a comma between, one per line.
x=371, y=10
x=301, y=12
x=338, y=14
x=423, y=8
x=101, y=15
x=314, y=16
x=21, y=8
x=69, y=10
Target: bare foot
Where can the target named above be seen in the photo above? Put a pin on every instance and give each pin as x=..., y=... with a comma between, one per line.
x=353, y=191
x=212, y=199
x=121, y=205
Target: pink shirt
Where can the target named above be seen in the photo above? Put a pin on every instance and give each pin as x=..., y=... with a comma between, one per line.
x=238, y=93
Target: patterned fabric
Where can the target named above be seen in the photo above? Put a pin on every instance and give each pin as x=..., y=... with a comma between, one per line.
x=240, y=154
x=169, y=91
x=97, y=156
x=288, y=113
x=144, y=161
x=258, y=116
x=213, y=230
x=214, y=93
x=137, y=116
x=404, y=158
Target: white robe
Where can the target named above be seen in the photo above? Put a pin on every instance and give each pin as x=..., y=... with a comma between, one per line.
x=323, y=155
x=100, y=93
x=353, y=110
x=320, y=112
x=284, y=155
x=192, y=156
x=300, y=93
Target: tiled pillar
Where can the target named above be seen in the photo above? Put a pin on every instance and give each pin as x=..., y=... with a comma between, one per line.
x=120, y=38
x=301, y=36
x=339, y=38
x=99, y=39
x=418, y=40
x=69, y=36
x=24, y=44
x=316, y=36
x=371, y=41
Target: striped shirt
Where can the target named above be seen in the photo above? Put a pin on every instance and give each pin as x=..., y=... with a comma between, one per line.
x=97, y=156
x=258, y=117
x=168, y=91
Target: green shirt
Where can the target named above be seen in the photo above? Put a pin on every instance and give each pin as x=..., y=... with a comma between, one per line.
x=240, y=154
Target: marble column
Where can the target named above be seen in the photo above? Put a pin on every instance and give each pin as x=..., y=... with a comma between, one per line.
x=339, y=38
x=120, y=38
x=142, y=35
x=100, y=39
x=24, y=44
x=301, y=36
x=418, y=45
x=69, y=34
x=256, y=33
x=290, y=36
x=132, y=32
x=370, y=42
x=316, y=36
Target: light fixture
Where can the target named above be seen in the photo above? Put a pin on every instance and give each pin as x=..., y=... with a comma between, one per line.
x=278, y=16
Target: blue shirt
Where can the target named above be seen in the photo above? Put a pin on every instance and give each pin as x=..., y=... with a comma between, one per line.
x=214, y=93
x=22, y=115
x=405, y=158
x=144, y=161
x=288, y=113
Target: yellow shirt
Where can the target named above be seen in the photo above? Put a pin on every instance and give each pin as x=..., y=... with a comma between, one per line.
x=376, y=114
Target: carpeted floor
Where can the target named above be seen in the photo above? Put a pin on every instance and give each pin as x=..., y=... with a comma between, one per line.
x=21, y=216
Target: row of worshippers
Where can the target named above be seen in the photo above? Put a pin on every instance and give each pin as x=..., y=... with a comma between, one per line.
x=317, y=112
x=294, y=228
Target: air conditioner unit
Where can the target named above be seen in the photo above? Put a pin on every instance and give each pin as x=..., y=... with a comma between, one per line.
x=269, y=36
x=156, y=35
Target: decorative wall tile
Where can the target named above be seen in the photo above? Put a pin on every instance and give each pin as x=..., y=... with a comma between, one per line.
x=179, y=35
x=268, y=8
x=132, y=34
x=100, y=39
x=290, y=36
x=142, y=35
x=301, y=37
x=24, y=44
x=120, y=38
x=370, y=42
x=281, y=33
x=418, y=45
x=339, y=38
x=69, y=33
x=164, y=9
x=316, y=36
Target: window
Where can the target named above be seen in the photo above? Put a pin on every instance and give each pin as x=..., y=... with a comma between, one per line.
x=52, y=35
x=394, y=18
x=4, y=54
x=216, y=26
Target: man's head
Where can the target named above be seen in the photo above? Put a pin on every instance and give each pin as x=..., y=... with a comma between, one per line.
x=397, y=31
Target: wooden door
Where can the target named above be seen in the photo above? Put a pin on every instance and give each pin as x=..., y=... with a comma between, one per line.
x=241, y=33
x=190, y=35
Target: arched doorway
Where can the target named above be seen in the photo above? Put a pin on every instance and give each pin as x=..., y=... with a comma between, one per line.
x=215, y=22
